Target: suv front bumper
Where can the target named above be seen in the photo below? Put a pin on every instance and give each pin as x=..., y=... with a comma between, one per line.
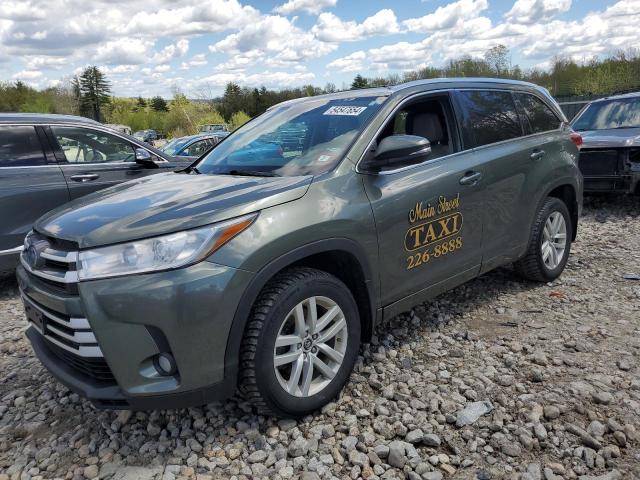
x=185, y=312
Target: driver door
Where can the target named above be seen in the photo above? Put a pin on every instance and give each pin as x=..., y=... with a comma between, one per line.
x=91, y=159
x=429, y=214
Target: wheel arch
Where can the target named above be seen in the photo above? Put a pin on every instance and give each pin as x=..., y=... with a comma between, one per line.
x=567, y=193
x=340, y=257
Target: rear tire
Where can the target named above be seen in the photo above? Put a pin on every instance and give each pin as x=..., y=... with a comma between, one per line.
x=300, y=343
x=550, y=243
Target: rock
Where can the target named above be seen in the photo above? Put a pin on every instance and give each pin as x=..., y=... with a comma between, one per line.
x=472, y=412
x=137, y=473
x=124, y=416
x=309, y=476
x=539, y=358
x=431, y=440
x=551, y=412
x=534, y=472
x=397, y=457
x=603, y=398
x=299, y=447
x=91, y=471
x=511, y=449
x=358, y=458
x=612, y=475
x=381, y=451
x=414, y=436
x=432, y=476
x=596, y=429
x=259, y=456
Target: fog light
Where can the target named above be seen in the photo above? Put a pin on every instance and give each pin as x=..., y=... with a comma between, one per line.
x=165, y=364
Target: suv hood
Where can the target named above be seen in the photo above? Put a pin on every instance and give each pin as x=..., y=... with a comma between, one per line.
x=165, y=203
x=611, y=138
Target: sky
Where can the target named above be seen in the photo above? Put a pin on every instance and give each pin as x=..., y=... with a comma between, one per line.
x=150, y=47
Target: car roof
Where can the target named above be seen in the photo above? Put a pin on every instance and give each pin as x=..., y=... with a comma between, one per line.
x=426, y=84
x=197, y=136
x=618, y=97
x=44, y=118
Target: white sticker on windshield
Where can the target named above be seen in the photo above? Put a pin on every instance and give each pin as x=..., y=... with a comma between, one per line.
x=345, y=110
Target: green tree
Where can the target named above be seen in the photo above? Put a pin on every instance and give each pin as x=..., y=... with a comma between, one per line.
x=159, y=104
x=359, y=82
x=94, y=92
x=498, y=59
x=141, y=103
x=238, y=119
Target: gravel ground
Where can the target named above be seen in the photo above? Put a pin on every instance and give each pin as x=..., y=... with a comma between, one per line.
x=553, y=367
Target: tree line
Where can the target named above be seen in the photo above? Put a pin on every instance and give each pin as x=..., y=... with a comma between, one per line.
x=89, y=94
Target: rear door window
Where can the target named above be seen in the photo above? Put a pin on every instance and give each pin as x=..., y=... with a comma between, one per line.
x=537, y=115
x=20, y=147
x=197, y=148
x=84, y=145
x=490, y=116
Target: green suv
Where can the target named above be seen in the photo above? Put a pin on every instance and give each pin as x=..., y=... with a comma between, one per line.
x=265, y=265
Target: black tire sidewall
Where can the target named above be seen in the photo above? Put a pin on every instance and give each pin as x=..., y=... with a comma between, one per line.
x=553, y=205
x=270, y=389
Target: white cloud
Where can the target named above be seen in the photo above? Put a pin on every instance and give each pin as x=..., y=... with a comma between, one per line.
x=198, y=18
x=330, y=28
x=173, y=51
x=276, y=37
x=28, y=75
x=309, y=6
x=267, y=78
x=448, y=16
x=124, y=51
x=532, y=11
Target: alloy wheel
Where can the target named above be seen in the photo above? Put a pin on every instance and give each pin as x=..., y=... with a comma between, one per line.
x=310, y=346
x=554, y=240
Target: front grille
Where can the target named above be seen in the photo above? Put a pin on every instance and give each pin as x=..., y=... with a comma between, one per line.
x=53, y=263
x=600, y=162
x=95, y=368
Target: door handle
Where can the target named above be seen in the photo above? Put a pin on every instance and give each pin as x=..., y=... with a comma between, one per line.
x=537, y=154
x=471, y=178
x=85, y=177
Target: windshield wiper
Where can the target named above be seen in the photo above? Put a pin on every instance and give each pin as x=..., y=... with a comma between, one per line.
x=250, y=173
x=190, y=169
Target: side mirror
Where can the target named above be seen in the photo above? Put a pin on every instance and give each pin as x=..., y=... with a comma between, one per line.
x=143, y=157
x=397, y=150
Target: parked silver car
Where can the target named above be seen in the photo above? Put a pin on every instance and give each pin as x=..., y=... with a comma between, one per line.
x=610, y=154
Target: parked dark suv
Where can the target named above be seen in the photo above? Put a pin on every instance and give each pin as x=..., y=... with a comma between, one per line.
x=265, y=268
x=47, y=160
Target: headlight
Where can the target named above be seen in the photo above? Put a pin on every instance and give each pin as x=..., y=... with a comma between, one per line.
x=159, y=253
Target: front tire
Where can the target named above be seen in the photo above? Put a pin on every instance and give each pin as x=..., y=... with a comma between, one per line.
x=550, y=243
x=300, y=343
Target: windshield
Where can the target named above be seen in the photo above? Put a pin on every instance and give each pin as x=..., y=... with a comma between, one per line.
x=303, y=138
x=212, y=128
x=621, y=113
x=174, y=146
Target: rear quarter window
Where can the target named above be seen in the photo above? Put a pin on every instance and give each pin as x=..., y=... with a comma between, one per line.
x=490, y=116
x=538, y=116
x=20, y=147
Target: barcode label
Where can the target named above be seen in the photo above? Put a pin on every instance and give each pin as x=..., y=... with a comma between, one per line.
x=345, y=110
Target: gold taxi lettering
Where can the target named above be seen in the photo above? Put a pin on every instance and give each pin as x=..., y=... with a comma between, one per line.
x=427, y=233
x=445, y=205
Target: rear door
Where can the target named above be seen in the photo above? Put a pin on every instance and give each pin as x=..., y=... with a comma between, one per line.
x=31, y=183
x=92, y=159
x=492, y=127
